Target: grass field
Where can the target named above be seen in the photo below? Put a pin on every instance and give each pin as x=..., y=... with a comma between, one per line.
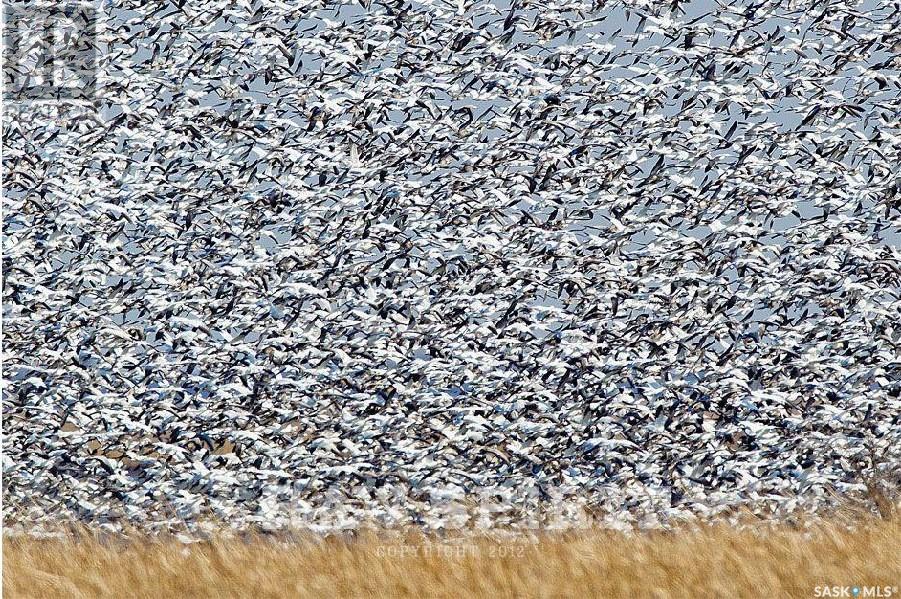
x=715, y=561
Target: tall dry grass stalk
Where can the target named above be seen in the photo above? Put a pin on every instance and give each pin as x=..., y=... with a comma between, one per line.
x=714, y=561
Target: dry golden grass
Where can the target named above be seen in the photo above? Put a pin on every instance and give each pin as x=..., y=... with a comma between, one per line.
x=714, y=561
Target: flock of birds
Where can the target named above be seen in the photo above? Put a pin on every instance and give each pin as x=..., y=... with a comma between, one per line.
x=463, y=263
